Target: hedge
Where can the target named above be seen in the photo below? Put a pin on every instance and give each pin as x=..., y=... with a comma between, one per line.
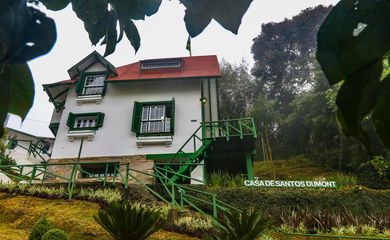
x=359, y=202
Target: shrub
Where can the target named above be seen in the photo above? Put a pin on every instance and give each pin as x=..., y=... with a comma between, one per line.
x=195, y=223
x=39, y=229
x=106, y=194
x=342, y=180
x=369, y=230
x=248, y=225
x=55, y=234
x=319, y=209
x=224, y=179
x=129, y=221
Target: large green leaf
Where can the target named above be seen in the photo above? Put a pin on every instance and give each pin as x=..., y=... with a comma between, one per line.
x=357, y=97
x=16, y=91
x=150, y=6
x=96, y=31
x=55, y=5
x=355, y=34
x=228, y=13
x=131, y=9
x=131, y=33
x=196, y=19
x=90, y=11
x=111, y=34
x=381, y=112
x=25, y=33
x=39, y=37
x=5, y=93
x=353, y=41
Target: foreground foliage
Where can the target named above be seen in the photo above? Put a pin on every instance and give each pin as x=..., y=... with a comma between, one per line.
x=247, y=225
x=39, y=229
x=55, y=234
x=344, y=55
x=19, y=214
x=129, y=221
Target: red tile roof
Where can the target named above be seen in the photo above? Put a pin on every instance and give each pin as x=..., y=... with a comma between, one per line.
x=192, y=67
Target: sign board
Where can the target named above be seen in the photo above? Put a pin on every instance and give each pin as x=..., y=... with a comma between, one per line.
x=289, y=184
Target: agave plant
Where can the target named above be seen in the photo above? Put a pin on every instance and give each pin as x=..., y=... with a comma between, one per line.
x=129, y=221
x=247, y=225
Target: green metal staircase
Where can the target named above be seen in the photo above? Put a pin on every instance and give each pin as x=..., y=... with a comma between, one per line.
x=208, y=137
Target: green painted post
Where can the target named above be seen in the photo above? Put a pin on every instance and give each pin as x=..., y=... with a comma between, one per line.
x=33, y=174
x=215, y=211
x=71, y=182
x=73, y=175
x=173, y=194
x=44, y=173
x=254, y=128
x=127, y=176
x=21, y=171
x=115, y=172
x=105, y=175
x=227, y=131
x=240, y=125
x=249, y=166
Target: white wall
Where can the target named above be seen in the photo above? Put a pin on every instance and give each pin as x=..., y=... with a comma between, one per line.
x=115, y=137
x=56, y=116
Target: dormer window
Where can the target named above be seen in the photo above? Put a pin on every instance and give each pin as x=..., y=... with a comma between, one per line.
x=161, y=64
x=91, y=87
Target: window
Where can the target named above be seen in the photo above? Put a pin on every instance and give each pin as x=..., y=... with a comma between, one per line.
x=159, y=64
x=85, y=121
x=153, y=118
x=99, y=170
x=91, y=84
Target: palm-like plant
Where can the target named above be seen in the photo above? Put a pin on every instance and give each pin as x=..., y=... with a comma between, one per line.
x=247, y=225
x=129, y=221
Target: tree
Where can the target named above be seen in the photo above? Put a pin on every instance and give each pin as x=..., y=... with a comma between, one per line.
x=290, y=109
x=353, y=45
x=26, y=33
x=236, y=90
x=284, y=55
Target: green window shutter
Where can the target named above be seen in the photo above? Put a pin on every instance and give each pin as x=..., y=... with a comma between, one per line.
x=99, y=120
x=80, y=84
x=71, y=119
x=54, y=128
x=104, y=88
x=173, y=116
x=137, y=112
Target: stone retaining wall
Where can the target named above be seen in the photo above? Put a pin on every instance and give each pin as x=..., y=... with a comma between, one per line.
x=136, y=162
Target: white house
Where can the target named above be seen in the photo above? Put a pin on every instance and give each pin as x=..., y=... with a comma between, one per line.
x=136, y=113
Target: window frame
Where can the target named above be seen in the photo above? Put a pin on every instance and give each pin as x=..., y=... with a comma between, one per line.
x=72, y=117
x=80, y=86
x=137, y=118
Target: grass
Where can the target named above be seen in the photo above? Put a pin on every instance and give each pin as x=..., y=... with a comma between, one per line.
x=298, y=168
x=19, y=213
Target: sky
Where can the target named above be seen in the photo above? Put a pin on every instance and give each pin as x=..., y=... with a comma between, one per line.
x=162, y=35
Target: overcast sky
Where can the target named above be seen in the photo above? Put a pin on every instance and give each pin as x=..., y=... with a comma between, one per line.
x=162, y=35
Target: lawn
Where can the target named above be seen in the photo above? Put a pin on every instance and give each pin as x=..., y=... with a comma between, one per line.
x=19, y=213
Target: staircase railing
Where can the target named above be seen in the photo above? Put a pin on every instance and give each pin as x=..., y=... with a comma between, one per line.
x=229, y=128
x=33, y=148
x=178, y=195
x=203, y=137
